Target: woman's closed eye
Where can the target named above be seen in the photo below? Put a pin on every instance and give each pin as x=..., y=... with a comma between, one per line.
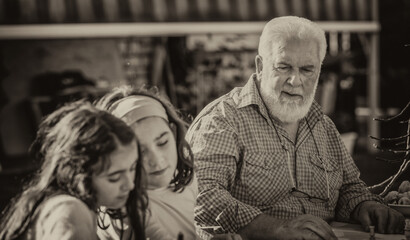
x=115, y=178
x=162, y=139
x=162, y=142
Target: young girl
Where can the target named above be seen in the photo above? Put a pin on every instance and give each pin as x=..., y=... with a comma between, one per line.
x=167, y=159
x=91, y=160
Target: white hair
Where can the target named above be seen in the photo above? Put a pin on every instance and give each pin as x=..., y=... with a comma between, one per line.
x=281, y=29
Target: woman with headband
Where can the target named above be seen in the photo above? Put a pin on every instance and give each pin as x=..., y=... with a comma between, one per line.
x=167, y=159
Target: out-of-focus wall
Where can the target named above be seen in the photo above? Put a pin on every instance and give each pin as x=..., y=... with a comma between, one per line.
x=96, y=59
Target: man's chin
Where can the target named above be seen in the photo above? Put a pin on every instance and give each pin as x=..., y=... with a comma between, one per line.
x=291, y=113
x=287, y=110
x=292, y=104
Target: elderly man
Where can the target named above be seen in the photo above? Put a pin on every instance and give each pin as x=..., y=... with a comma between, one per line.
x=270, y=164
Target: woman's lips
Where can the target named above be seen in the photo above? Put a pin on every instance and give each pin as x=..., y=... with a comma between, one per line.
x=159, y=172
x=125, y=197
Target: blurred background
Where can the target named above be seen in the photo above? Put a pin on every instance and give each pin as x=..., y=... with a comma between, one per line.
x=54, y=51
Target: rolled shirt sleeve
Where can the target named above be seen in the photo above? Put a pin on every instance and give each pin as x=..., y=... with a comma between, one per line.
x=215, y=145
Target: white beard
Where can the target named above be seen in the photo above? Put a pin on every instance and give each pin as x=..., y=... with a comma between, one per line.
x=287, y=110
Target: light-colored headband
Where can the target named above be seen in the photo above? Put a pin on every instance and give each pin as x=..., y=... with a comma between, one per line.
x=136, y=107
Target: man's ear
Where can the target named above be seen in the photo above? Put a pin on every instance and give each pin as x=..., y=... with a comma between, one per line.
x=259, y=65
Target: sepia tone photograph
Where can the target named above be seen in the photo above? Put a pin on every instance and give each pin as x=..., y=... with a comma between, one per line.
x=204, y=119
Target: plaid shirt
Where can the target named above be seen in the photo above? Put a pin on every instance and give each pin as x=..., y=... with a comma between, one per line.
x=242, y=166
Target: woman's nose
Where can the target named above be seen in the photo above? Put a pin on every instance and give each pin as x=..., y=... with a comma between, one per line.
x=156, y=160
x=128, y=184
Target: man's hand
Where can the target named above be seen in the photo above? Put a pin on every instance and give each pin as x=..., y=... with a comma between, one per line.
x=385, y=219
x=302, y=227
x=305, y=227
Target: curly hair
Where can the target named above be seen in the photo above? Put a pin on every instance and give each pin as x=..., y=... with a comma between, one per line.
x=184, y=172
x=40, y=144
x=78, y=146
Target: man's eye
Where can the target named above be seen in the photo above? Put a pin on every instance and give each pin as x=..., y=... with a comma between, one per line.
x=307, y=71
x=283, y=69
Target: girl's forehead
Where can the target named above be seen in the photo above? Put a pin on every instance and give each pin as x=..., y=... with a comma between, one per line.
x=150, y=129
x=123, y=156
x=152, y=123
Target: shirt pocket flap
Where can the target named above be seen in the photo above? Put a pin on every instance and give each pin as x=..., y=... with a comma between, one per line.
x=265, y=160
x=324, y=162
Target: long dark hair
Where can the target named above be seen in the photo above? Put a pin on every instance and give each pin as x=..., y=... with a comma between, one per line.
x=185, y=157
x=77, y=147
x=40, y=144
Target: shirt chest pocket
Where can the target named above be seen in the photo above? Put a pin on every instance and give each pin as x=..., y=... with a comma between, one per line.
x=265, y=177
x=326, y=170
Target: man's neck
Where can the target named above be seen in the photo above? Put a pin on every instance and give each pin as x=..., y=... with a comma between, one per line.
x=292, y=129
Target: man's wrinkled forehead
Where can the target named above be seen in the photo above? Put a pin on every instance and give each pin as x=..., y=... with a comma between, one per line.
x=280, y=51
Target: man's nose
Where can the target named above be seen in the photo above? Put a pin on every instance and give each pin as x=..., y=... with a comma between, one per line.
x=295, y=79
